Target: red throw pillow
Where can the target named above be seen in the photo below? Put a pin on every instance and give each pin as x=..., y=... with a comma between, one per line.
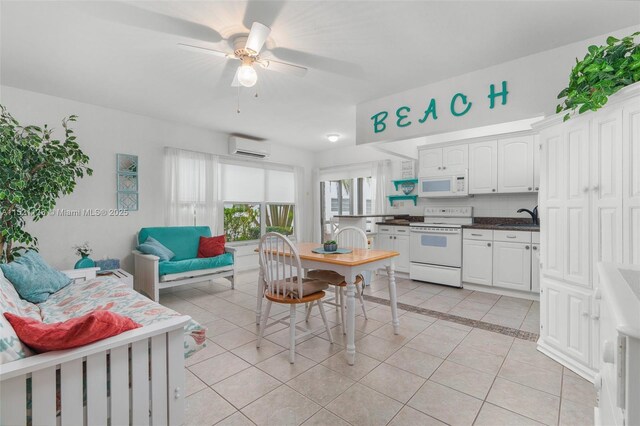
x=211, y=246
x=80, y=331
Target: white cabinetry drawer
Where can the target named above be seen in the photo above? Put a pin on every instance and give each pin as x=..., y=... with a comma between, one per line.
x=512, y=236
x=477, y=234
x=402, y=230
x=384, y=229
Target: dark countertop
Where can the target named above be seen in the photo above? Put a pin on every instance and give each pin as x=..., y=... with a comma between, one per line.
x=497, y=227
x=493, y=223
x=356, y=216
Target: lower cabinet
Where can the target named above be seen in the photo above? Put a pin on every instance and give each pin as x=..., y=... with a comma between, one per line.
x=565, y=319
x=535, y=268
x=477, y=262
x=395, y=238
x=512, y=265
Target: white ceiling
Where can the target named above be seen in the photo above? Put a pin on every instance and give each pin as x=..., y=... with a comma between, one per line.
x=124, y=55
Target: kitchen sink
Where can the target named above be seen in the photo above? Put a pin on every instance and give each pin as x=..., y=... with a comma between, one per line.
x=519, y=225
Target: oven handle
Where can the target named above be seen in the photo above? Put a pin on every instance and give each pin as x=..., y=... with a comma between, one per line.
x=435, y=232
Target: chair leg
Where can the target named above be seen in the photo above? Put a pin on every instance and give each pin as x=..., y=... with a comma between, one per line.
x=343, y=309
x=364, y=311
x=263, y=323
x=324, y=318
x=337, y=297
x=308, y=314
x=292, y=334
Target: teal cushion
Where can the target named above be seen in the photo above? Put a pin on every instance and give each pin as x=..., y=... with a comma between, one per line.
x=154, y=247
x=33, y=279
x=181, y=240
x=178, y=266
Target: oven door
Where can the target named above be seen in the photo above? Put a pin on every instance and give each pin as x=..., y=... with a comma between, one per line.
x=437, y=247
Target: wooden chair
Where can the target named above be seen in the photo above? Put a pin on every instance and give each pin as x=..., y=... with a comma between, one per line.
x=350, y=237
x=284, y=283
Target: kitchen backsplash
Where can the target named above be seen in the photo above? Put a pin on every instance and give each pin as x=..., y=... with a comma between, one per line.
x=490, y=205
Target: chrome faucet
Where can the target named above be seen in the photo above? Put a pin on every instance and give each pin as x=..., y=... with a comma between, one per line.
x=533, y=213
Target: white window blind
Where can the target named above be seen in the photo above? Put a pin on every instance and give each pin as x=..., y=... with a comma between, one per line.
x=280, y=186
x=256, y=183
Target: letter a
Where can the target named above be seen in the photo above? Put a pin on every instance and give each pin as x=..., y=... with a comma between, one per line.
x=430, y=110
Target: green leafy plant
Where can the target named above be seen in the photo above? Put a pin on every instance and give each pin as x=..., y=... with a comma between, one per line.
x=603, y=71
x=242, y=222
x=280, y=218
x=330, y=242
x=35, y=170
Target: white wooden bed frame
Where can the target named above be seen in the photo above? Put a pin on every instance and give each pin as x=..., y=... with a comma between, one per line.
x=152, y=357
x=147, y=280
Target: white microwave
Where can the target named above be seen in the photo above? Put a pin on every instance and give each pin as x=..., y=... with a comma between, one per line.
x=444, y=186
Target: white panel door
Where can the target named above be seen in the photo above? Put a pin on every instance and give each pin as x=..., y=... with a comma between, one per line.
x=631, y=182
x=606, y=189
x=551, y=202
x=553, y=317
x=455, y=159
x=430, y=162
x=576, y=253
x=477, y=262
x=402, y=246
x=536, y=163
x=535, y=268
x=577, y=329
x=515, y=164
x=512, y=265
x=483, y=167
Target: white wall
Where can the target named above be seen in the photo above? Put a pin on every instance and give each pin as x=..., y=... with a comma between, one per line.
x=102, y=133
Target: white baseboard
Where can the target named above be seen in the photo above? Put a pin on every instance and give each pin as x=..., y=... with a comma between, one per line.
x=573, y=365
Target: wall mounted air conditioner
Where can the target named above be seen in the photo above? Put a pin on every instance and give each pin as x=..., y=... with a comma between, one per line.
x=248, y=147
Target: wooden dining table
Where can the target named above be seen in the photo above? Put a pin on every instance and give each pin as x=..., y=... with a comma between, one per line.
x=348, y=265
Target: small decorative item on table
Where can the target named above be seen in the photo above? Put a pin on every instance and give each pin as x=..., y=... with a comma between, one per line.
x=107, y=264
x=330, y=246
x=85, y=261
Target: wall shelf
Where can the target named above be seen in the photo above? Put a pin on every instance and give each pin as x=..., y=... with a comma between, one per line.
x=399, y=182
x=393, y=198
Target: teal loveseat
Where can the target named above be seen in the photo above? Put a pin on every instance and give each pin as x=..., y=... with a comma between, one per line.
x=185, y=267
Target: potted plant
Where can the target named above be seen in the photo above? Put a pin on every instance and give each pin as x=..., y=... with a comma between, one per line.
x=603, y=71
x=330, y=246
x=84, y=250
x=35, y=170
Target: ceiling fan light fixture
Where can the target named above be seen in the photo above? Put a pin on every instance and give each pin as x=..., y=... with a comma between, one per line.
x=333, y=137
x=247, y=76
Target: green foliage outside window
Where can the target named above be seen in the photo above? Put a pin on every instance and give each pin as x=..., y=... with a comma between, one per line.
x=242, y=222
x=280, y=218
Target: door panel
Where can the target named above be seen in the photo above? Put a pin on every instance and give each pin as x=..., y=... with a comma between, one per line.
x=430, y=162
x=578, y=326
x=552, y=243
x=477, y=262
x=512, y=265
x=552, y=314
x=483, y=167
x=455, y=159
x=515, y=164
x=631, y=182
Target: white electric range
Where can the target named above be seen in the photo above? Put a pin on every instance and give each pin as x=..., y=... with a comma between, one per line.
x=436, y=245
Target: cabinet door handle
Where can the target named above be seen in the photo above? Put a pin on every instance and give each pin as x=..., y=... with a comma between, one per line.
x=444, y=167
x=530, y=188
x=535, y=248
x=477, y=235
x=586, y=189
x=493, y=190
x=488, y=244
x=596, y=188
x=537, y=188
x=511, y=236
x=439, y=168
x=526, y=247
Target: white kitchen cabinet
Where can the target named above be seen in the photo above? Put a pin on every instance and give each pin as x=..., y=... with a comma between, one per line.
x=483, y=167
x=631, y=183
x=536, y=163
x=455, y=159
x=430, y=161
x=535, y=268
x=395, y=238
x=515, y=164
x=512, y=265
x=477, y=261
x=443, y=161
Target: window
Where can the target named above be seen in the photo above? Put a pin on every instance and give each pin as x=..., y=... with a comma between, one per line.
x=257, y=198
x=345, y=197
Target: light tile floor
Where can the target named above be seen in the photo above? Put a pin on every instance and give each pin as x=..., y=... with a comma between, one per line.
x=433, y=373
x=521, y=314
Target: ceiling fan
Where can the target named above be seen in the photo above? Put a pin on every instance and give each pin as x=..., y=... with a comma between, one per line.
x=246, y=49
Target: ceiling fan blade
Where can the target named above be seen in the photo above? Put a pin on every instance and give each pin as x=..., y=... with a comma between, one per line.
x=257, y=37
x=283, y=67
x=322, y=63
x=205, y=50
x=236, y=82
x=134, y=16
x=262, y=11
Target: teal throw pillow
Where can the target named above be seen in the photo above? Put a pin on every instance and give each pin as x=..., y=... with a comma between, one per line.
x=154, y=247
x=33, y=278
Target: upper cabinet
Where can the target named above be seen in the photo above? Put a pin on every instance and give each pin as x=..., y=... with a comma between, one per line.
x=515, y=164
x=483, y=167
x=444, y=161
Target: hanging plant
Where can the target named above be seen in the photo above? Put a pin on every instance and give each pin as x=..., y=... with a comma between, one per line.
x=603, y=71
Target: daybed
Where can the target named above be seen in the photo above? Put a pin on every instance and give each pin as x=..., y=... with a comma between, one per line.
x=151, y=274
x=136, y=377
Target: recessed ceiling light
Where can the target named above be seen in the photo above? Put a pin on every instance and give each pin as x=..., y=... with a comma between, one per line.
x=333, y=137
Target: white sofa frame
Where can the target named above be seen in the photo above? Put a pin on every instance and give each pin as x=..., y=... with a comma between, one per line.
x=145, y=369
x=148, y=281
